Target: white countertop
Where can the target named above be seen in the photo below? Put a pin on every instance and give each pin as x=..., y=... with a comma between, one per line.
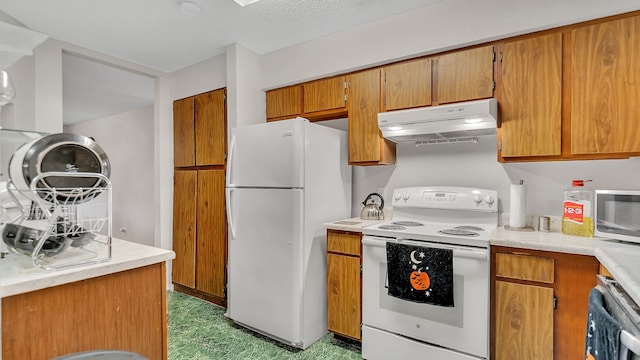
x=354, y=224
x=621, y=259
x=19, y=275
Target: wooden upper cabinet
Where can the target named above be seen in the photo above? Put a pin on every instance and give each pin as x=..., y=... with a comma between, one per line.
x=465, y=75
x=605, y=87
x=210, y=132
x=199, y=130
x=407, y=84
x=183, y=129
x=284, y=102
x=530, y=96
x=366, y=144
x=325, y=94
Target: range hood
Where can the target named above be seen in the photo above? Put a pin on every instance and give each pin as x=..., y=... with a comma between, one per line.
x=459, y=122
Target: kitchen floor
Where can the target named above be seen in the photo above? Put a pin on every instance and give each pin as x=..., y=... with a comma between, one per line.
x=199, y=330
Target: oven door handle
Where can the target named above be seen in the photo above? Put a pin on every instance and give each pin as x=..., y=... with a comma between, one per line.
x=458, y=251
x=630, y=342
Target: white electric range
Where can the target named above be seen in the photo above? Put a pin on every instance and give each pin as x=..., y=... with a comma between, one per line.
x=430, y=219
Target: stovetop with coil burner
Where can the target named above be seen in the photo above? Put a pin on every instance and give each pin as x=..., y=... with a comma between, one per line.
x=456, y=215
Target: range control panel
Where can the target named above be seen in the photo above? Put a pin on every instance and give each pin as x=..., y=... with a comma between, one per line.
x=446, y=197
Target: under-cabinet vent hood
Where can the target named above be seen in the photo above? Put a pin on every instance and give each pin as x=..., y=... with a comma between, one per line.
x=441, y=124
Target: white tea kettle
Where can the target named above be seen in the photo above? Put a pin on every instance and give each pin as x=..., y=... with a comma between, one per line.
x=372, y=211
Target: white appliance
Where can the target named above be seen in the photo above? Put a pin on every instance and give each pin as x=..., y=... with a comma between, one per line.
x=285, y=179
x=436, y=217
x=625, y=311
x=459, y=122
x=617, y=214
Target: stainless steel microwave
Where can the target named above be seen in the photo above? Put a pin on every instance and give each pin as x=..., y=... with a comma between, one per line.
x=617, y=214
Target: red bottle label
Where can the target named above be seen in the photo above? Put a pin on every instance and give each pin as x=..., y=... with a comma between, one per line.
x=574, y=211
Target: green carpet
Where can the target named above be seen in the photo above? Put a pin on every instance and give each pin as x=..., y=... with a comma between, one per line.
x=199, y=330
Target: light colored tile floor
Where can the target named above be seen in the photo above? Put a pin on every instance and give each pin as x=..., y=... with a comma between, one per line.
x=198, y=330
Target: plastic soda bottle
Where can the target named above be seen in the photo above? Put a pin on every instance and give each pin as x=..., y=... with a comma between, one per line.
x=577, y=217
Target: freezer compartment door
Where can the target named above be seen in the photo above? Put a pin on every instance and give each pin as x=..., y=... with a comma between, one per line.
x=267, y=155
x=265, y=261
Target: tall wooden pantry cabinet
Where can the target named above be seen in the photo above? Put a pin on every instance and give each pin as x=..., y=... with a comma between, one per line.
x=199, y=220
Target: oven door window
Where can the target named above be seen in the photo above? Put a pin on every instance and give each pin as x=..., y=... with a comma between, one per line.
x=463, y=327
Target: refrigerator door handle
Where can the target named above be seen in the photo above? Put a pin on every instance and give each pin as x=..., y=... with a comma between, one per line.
x=229, y=214
x=230, y=160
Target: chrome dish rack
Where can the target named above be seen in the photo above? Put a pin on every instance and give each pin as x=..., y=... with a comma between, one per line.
x=61, y=227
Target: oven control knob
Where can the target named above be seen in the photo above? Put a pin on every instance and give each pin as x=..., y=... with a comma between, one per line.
x=406, y=195
x=397, y=196
x=489, y=199
x=477, y=199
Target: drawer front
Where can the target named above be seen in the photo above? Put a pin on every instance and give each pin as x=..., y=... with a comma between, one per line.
x=344, y=243
x=525, y=267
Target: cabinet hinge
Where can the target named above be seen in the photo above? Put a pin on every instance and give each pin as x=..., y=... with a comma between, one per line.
x=500, y=145
x=224, y=96
x=360, y=269
x=555, y=302
x=494, y=57
x=500, y=56
x=346, y=84
x=345, y=98
x=494, y=84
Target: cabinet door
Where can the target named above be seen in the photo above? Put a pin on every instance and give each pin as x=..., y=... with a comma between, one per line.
x=366, y=144
x=524, y=322
x=284, y=102
x=183, y=133
x=211, y=233
x=210, y=130
x=605, y=87
x=343, y=295
x=325, y=94
x=184, y=227
x=576, y=276
x=465, y=75
x=530, y=96
x=407, y=84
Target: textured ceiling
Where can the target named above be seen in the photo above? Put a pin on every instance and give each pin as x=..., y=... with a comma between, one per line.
x=155, y=33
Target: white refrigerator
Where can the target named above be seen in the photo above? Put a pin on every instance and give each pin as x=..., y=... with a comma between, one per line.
x=285, y=179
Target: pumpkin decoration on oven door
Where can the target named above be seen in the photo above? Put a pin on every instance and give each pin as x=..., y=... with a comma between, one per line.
x=419, y=279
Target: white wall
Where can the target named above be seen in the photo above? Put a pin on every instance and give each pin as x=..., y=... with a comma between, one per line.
x=23, y=77
x=48, y=87
x=441, y=26
x=204, y=76
x=245, y=98
x=475, y=165
x=127, y=139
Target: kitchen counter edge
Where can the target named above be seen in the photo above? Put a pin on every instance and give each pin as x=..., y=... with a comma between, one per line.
x=18, y=275
x=620, y=258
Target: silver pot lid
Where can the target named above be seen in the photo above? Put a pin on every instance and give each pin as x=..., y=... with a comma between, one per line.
x=65, y=152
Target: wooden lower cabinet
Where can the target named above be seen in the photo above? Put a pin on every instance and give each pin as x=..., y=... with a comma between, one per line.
x=344, y=283
x=199, y=233
x=524, y=320
x=121, y=311
x=539, y=303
